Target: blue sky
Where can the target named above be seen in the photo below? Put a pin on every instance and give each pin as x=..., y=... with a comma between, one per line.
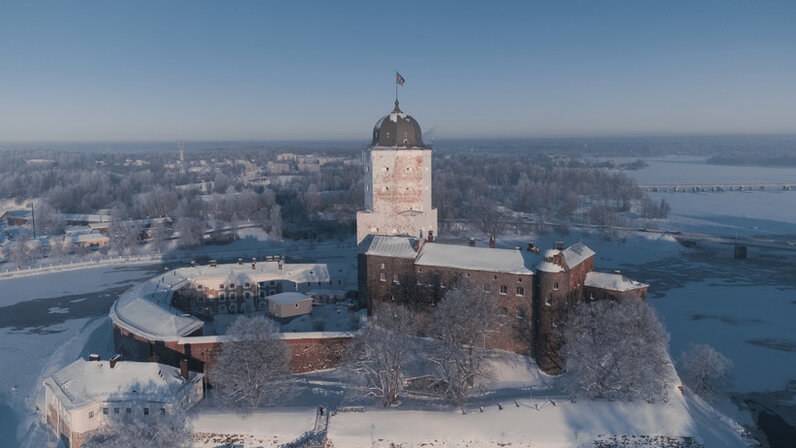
x=261, y=70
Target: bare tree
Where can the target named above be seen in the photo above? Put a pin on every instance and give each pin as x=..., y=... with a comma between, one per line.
x=462, y=321
x=705, y=371
x=132, y=431
x=615, y=349
x=379, y=351
x=252, y=365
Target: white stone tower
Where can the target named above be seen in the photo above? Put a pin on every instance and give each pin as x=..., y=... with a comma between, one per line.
x=397, y=181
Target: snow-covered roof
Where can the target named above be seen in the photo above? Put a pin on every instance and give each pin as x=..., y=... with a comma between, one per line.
x=614, y=282
x=85, y=382
x=86, y=217
x=145, y=309
x=263, y=271
x=551, y=253
x=576, y=254
x=286, y=298
x=546, y=266
x=388, y=246
x=511, y=261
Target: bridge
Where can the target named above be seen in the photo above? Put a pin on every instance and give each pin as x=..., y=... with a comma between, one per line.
x=750, y=186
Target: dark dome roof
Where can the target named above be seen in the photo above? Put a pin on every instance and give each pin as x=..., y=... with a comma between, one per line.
x=398, y=129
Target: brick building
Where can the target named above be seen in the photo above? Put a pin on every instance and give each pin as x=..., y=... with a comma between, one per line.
x=399, y=259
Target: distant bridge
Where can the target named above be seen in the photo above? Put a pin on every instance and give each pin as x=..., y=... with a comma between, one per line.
x=750, y=186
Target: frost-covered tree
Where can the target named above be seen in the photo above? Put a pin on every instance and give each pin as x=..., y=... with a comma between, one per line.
x=704, y=370
x=153, y=431
x=615, y=349
x=160, y=233
x=252, y=366
x=49, y=221
x=191, y=230
x=462, y=321
x=379, y=351
x=20, y=254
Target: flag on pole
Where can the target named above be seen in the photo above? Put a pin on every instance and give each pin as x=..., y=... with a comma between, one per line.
x=399, y=79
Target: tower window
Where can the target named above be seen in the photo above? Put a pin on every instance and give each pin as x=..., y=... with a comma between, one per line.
x=383, y=277
x=555, y=286
x=487, y=287
x=504, y=289
x=520, y=291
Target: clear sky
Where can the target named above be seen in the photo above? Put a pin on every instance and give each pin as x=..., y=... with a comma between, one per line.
x=266, y=70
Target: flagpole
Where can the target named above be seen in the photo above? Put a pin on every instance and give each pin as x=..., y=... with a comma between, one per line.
x=396, y=85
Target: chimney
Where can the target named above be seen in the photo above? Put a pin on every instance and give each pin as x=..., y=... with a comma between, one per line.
x=193, y=263
x=560, y=245
x=530, y=247
x=93, y=357
x=472, y=242
x=492, y=241
x=184, y=368
x=517, y=248
x=618, y=272
x=212, y=263
x=416, y=245
x=280, y=263
x=430, y=238
x=116, y=358
x=240, y=261
x=254, y=260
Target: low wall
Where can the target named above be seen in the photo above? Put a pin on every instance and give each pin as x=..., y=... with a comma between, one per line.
x=310, y=351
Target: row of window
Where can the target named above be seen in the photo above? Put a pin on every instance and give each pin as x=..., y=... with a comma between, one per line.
x=247, y=285
x=128, y=411
x=504, y=290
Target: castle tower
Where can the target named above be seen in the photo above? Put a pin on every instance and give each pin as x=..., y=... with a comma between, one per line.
x=397, y=181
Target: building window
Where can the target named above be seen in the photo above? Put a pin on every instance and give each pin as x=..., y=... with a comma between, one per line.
x=271, y=283
x=382, y=266
x=487, y=287
x=468, y=274
x=503, y=311
x=199, y=287
x=504, y=289
x=231, y=286
x=396, y=279
x=494, y=277
x=128, y=411
x=549, y=301
x=222, y=297
x=247, y=295
x=297, y=305
x=520, y=313
x=519, y=279
x=90, y=414
x=221, y=286
x=104, y=411
x=115, y=410
x=247, y=285
x=555, y=286
x=162, y=411
x=233, y=296
x=520, y=291
x=146, y=411
x=222, y=308
x=383, y=277
x=262, y=294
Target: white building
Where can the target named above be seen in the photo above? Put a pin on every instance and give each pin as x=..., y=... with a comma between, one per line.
x=289, y=304
x=397, y=181
x=82, y=396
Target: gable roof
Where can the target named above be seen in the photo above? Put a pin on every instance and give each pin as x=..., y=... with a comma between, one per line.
x=490, y=259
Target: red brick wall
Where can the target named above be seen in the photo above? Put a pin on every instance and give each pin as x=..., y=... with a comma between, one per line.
x=309, y=354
